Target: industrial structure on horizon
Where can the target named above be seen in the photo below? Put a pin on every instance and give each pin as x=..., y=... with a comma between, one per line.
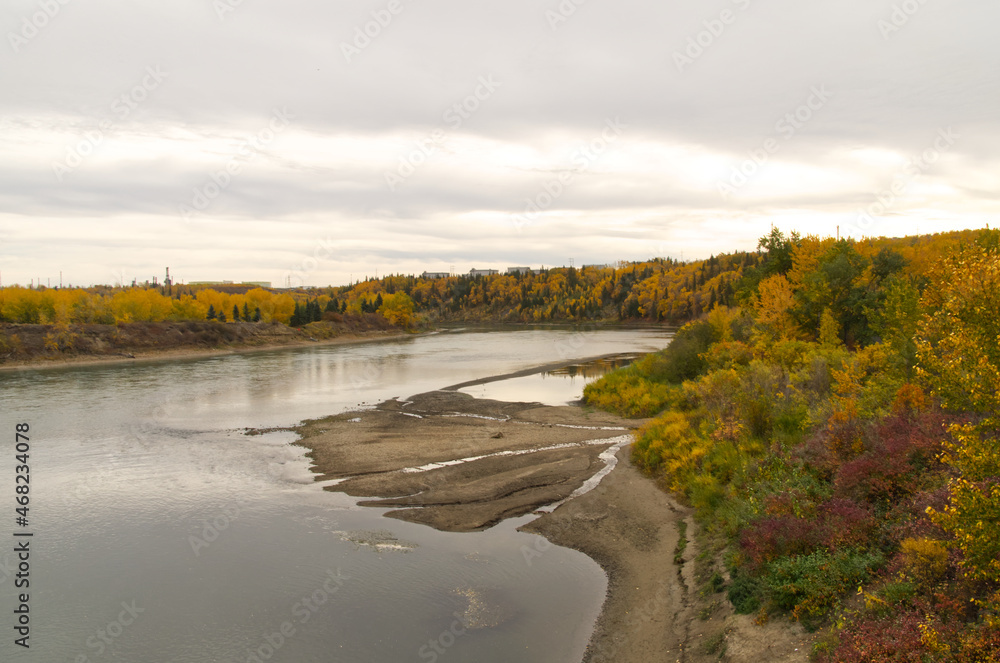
x=473, y=273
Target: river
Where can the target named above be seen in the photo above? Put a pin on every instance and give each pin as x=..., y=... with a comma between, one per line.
x=162, y=532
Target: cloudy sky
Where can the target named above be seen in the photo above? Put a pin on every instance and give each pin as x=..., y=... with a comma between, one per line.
x=324, y=141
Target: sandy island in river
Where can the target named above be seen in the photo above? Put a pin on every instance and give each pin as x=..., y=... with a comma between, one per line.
x=457, y=463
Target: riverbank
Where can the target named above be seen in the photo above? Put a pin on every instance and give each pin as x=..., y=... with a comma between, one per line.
x=24, y=347
x=658, y=605
x=457, y=463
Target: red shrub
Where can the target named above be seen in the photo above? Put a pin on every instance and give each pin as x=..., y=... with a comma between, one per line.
x=775, y=537
x=924, y=632
x=910, y=519
x=881, y=640
x=846, y=524
x=980, y=645
x=903, y=447
x=838, y=523
x=897, y=638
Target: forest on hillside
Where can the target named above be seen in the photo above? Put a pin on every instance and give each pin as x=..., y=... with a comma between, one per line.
x=660, y=291
x=838, y=433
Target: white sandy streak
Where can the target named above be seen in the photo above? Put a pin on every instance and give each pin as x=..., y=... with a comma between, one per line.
x=616, y=441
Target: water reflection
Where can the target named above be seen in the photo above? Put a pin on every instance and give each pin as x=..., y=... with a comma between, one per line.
x=559, y=386
x=135, y=464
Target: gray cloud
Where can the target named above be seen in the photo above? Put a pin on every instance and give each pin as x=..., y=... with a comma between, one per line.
x=701, y=88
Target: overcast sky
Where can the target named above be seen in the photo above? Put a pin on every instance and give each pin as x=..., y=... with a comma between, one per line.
x=324, y=141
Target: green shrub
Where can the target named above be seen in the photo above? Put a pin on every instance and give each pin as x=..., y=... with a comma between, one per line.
x=898, y=592
x=717, y=582
x=810, y=585
x=745, y=593
x=682, y=359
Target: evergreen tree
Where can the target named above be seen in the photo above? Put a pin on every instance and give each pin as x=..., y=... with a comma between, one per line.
x=211, y=312
x=236, y=313
x=222, y=316
x=343, y=306
x=246, y=312
x=256, y=314
x=378, y=303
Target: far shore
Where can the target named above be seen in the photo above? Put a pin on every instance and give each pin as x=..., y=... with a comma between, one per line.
x=180, y=354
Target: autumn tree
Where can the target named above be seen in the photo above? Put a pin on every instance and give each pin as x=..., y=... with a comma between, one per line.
x=778, y=250
x=398, y=309
x=774, y=304
x=958, y=350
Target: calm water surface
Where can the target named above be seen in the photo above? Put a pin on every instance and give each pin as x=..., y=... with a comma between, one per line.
x=146, y=492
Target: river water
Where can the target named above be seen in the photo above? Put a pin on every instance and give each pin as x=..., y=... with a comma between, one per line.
x=163, y=533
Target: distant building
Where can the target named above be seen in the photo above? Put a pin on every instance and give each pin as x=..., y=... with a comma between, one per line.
x=519, y=270
x=597, y=267
x=435, y=275
x=256, y=284
x=482, y=272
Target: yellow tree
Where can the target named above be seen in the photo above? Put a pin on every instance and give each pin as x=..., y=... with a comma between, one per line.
x=773, y=306
x=958, y=350
x=398, y=309
x=806, y=258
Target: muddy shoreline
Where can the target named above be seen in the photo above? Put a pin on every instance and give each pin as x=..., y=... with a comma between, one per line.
x=458, y=463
